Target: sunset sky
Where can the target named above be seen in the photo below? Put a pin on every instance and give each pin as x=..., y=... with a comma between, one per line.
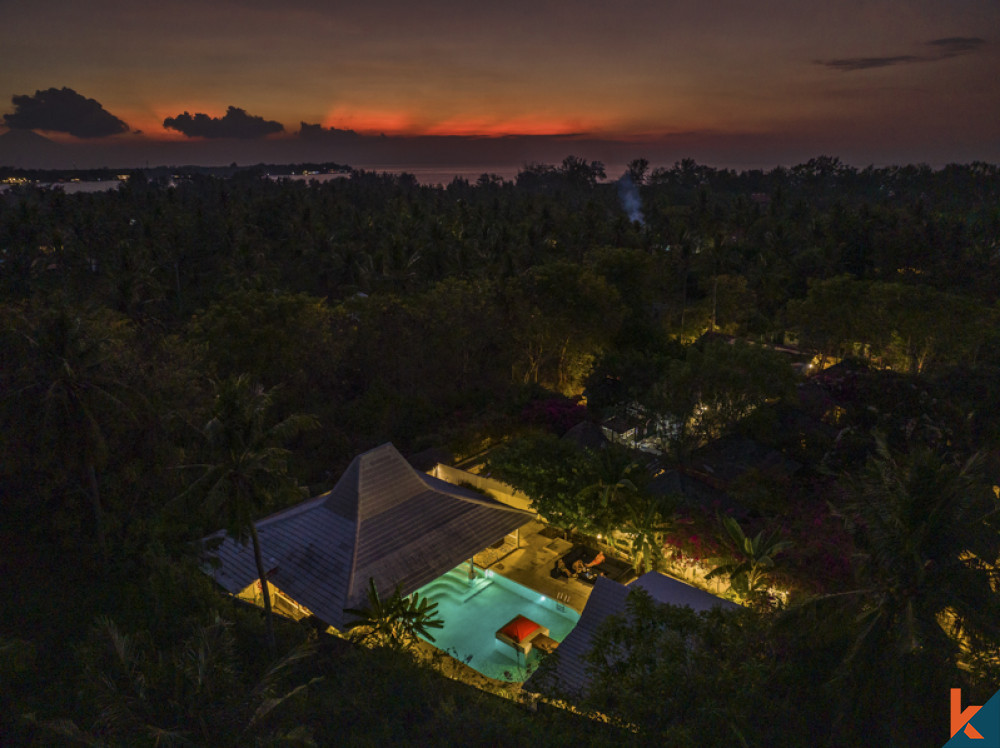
x=725, y=81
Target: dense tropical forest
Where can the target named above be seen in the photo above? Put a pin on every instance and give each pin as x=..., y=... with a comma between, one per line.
x=179, y=356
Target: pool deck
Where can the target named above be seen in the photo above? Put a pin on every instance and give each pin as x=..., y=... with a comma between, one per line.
x=529, y=565
x=532, y=563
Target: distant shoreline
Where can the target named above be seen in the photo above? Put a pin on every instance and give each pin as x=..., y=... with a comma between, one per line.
x=12, y=175
x=427, y=175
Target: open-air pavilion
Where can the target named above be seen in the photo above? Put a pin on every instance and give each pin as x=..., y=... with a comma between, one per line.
x=383, y=520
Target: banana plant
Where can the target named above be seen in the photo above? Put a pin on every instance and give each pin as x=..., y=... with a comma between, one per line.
x=395, y=621
x=747, y=562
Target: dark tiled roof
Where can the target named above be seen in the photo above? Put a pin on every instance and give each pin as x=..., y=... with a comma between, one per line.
x=570, y=676
x=429, y=458
x=617, y=424
x=695, y=493
x=726, y=459
x=383, y=520
x=672, y=591
x=607, y=599
x=587, y=435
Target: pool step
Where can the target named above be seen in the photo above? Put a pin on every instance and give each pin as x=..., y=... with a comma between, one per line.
x=477, y=590
x=453, y=584
x=461, y=574
x=455, y=589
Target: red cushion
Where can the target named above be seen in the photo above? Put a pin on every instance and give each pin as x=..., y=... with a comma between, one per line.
x=519, y=629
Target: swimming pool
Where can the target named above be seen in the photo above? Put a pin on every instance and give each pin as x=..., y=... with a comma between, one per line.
x=473, y=610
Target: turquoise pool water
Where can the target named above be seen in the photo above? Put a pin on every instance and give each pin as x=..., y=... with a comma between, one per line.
x=473, y=610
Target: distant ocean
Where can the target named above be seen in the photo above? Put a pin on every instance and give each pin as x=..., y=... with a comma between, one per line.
x=428, y=175
x=438, y=174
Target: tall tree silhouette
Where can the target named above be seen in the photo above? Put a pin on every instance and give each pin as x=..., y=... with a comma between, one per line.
x=927, y=532
x=69, y=373
x=249, y=471
x=192, y=693
x=925, y=595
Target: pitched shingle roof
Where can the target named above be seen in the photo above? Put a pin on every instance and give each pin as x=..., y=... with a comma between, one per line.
x=695, y=493
x=587, y=435
x=724, y=460
x=607, y=599
x=382, y=520
x=569, y=675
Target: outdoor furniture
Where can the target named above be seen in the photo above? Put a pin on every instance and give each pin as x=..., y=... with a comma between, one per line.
x=612, y=568
x=521, y=633
x=544, y=644
x=562, y=573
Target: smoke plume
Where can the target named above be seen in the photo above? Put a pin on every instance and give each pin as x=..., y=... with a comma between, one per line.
x=630, y=199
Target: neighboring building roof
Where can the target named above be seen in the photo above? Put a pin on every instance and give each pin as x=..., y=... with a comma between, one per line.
x=672, y=591
x=724, y=460
x=608, y=598
x=587, y=435
x=617, y=425
x=570, y=672
x=787, y=350
x=694, y=492
x=798, y=433
x=383, y=520
x=716, y=337
x=430, y=458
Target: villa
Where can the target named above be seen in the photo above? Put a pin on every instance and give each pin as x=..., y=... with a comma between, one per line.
x=383, y=520
x=386, y=521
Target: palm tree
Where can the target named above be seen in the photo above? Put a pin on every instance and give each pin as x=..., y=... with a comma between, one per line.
x=748, y=562
x=927, y=534
x=190, y=694
x=617, y=477
x=249, y=474
x=924, y=600
x=394, y=621
x=73, y=384
x=687, y=243
x=645, y=525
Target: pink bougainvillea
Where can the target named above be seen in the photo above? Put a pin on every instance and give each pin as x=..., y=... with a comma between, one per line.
x=556, y=414
x=819, y=560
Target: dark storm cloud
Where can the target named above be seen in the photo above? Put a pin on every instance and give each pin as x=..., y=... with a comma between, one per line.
x=942, y=49
x=63, y=110
x=320, y=133
x=956, y=45
x=866, y=63
x=235, y=124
